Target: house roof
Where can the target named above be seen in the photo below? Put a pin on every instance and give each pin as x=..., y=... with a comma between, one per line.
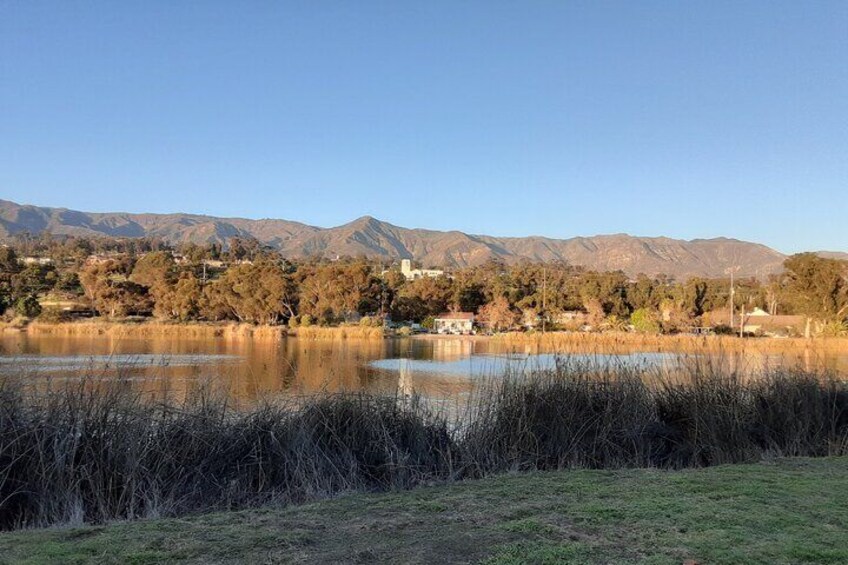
x=767, y=321
x=456, y=316
x=775, y=321
x=757, y=312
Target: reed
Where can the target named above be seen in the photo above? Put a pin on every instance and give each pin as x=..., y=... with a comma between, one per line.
x=623, y=342
x=95, y=451
x=338, y=332
x=152, y=329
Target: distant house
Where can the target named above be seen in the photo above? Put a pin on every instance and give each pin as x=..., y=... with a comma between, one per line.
x=758, y=321
x=761, y=322
x=567, y=319
x=100, y=258
x=454, y=323
x=412, y=274
x=43, y=261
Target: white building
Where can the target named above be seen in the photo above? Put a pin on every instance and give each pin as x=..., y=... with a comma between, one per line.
x=456, y=323
x=43, y=261
x=412, y=274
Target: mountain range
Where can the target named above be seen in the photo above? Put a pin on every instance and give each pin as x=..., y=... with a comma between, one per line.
x=377, y=239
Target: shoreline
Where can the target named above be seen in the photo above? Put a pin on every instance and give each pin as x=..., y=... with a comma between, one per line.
x=550, y=341
x=229, y=330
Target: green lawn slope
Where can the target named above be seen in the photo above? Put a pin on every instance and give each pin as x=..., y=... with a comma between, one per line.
x=786, y=511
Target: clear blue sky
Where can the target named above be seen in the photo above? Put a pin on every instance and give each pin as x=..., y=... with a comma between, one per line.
x=560, y=118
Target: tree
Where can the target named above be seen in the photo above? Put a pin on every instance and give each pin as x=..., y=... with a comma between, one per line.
x=335, y=291
x=249, y=292
x=109, y=291
x=28, y=306
x=8, y=260
x=157, y=272
x=645, y=321
x=816, y=287
x=594, y=312
x=421, y=298
x=182, y=300
x=153, y=269
x=498, y=314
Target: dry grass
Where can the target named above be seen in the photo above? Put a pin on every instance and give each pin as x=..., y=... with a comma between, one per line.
x=198, y=330
x=153, y=329
x=338, y=332
x=622, y=342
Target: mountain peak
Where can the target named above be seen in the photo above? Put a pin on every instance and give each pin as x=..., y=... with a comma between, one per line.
x=371, y=237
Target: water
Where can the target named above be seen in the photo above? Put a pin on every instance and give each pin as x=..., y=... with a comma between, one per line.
x=253, y=369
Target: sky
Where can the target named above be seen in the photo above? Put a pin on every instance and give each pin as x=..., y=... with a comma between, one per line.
x=562, y=118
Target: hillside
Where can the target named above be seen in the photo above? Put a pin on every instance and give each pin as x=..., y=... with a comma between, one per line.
x=373, y=238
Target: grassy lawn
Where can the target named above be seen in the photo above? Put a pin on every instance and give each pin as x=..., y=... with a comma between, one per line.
x=788, y=511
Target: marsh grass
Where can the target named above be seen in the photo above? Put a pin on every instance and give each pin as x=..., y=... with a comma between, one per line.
x=338, y=332
x=94, y=451
x=626, y=342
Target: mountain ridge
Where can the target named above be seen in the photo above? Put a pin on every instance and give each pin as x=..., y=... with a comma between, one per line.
x=375, y=238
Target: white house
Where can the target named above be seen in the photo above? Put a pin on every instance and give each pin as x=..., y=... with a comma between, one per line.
x=43, y=261
x=412, y=274
x=454, y=323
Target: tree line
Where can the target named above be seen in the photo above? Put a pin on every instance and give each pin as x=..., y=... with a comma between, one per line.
x=254, y=284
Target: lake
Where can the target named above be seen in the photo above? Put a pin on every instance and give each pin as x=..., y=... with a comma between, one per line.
x=252, y=369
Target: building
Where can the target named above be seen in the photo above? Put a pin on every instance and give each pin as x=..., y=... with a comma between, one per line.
x=43, y=261
x=412, y=274
x=454, y=323
x=567, y=319
x=761, y=322
x=757, y=322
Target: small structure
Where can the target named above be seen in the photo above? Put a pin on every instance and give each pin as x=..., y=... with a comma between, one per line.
x=42, y=261
x=412, y=274
x=756, y=322
x=454, y=323
x=565, y=319
x=761, y=322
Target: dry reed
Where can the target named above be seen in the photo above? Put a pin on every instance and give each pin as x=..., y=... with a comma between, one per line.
x=93, y=451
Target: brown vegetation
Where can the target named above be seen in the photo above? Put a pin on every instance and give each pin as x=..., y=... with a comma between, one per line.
x=93, y=451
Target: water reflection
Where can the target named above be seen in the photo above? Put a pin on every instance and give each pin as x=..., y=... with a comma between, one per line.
x=251, y=369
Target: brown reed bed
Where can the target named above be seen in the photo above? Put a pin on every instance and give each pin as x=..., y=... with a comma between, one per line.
x=625, y=342
x=338, y=332
x=154, y=329
x=90, y=451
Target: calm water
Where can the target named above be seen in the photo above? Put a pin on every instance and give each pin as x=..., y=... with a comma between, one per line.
x=253, y=369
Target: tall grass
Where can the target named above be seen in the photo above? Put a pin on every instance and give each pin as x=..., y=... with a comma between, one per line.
x=93, y=451
x=623, y=342
x=338, y=332
x=154, y=329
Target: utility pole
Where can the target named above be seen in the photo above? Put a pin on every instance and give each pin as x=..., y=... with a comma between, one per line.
x=544, y=298
x=742, y=322
x=731, y=271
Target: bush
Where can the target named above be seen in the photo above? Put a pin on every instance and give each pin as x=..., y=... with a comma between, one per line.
x=306, y=320
x=28, y=306
x=54, y=316
x=645, y=321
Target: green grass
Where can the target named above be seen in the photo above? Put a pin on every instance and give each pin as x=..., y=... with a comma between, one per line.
x=787, y=511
